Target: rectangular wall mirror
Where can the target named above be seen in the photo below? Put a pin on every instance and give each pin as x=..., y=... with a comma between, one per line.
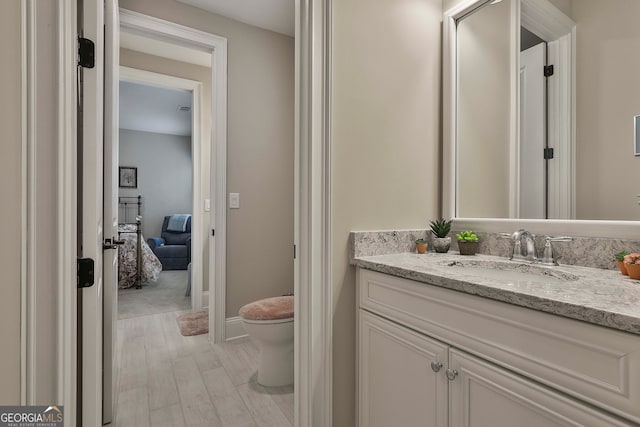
x=539, y=97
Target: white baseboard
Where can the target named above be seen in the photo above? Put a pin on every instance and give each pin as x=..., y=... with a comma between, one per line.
x=205, y=299
x=234, y=328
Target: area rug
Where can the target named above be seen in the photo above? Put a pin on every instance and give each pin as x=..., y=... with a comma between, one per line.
x=193, y=323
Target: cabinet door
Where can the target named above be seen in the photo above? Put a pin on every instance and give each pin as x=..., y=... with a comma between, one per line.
x=397, y=384
x=484, y=395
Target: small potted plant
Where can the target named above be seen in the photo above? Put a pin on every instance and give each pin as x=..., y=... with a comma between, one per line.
x=440, y=229
x=620, y=261
x=421, y=246
x=632, y=263
x=467, y=242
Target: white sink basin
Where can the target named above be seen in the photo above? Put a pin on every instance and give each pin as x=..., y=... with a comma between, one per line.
x=510, y=271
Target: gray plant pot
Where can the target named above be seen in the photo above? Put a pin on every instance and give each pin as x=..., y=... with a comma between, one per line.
x=467, y=248
x=441, y=244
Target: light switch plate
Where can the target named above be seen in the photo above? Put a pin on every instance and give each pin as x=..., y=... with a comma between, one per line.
x=234, y=200
x=207, y=205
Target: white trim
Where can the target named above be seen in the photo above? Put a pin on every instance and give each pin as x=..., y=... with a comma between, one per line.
x=28, y=193
x=551, y=227
x=165, y=30
x=205, y=299
x=23, y=202
x=67, y=209
x=514, y=111
x=234, y=328
x=312, y=281
x=135, y=75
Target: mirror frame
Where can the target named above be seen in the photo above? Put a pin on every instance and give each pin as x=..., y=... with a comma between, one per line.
x=585, y=228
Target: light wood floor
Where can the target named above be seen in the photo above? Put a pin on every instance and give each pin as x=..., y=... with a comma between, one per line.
x=165, y=379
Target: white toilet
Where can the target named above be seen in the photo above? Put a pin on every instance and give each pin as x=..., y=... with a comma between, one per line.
x=270, y=322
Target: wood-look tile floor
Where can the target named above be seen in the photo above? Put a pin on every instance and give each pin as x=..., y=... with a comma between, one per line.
x=165, y=379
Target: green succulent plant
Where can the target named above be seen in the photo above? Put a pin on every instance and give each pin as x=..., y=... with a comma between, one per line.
x=467, y=236
x=421, y=241
x=440, y=227
x=620, y=255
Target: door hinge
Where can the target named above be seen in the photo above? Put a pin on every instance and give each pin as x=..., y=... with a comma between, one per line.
x=86, y=53
x=548, y=70
x=294, y=252
x=213, y=232
x=85, y=275
x=548, y=153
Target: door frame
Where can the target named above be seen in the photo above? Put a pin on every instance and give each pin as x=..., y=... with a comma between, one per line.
x=312, y=237
x=135, y=75
x=37, y=82
x=156, y=28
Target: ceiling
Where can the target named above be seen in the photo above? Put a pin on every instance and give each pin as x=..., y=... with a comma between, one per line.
x=274, y=15
x=164, y=49
x=154, y=109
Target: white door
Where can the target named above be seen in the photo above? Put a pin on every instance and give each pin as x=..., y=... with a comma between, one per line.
x=401, y=376
x=484, y=395
x=110, y=259
x=91, y=216
x=532, y=175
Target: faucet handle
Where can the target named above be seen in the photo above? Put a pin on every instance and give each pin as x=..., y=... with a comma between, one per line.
x=548, y=257
x=505, y=235
x=558, y=239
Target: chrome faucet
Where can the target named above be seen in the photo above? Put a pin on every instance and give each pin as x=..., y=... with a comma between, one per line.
x=548, y=256
x=528, y=253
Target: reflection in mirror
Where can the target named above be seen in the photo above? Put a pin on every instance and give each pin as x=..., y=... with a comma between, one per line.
x=585, y=115
x=483, y=124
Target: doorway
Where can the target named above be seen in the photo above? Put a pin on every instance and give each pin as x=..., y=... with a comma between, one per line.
x=155, y=152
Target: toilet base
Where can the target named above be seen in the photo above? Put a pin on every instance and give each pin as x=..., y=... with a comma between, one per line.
x=276, y=366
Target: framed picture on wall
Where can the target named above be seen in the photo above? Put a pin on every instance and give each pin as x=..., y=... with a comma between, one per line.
x=128, y=177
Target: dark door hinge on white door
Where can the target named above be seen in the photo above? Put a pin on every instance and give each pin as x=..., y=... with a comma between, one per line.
x=548, y=70
x=548, y=153
x=86, y=53
x=85, y=273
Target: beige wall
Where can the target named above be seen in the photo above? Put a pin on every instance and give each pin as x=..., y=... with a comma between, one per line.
x=386, y=144
x=10, y=173
x=608, y=96
x=260, y=150
x=484, y=103
x=564, y=5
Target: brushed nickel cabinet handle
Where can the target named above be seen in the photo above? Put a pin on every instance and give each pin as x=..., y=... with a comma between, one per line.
x=436, y=366
x=451, y=374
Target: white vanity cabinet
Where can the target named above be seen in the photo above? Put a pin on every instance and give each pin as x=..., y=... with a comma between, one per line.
x=430, y=356
x=401, y=376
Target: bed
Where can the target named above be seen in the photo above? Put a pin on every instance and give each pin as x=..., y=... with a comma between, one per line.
x=137, y=264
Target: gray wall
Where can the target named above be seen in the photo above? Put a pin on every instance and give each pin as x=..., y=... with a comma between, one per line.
x=10, y=192
x=260, y=160
x=165, y=173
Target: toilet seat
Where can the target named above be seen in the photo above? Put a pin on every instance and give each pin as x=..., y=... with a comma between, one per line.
x=269, y=310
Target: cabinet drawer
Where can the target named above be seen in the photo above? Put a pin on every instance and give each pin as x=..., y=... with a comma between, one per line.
x=593, y=363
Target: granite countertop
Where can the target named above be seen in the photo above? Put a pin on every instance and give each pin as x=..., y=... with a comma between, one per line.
x=601, y=297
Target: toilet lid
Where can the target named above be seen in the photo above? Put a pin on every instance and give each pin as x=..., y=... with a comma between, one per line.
x=268, y=309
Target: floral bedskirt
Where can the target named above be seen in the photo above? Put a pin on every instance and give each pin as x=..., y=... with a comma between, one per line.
x=151, y=266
